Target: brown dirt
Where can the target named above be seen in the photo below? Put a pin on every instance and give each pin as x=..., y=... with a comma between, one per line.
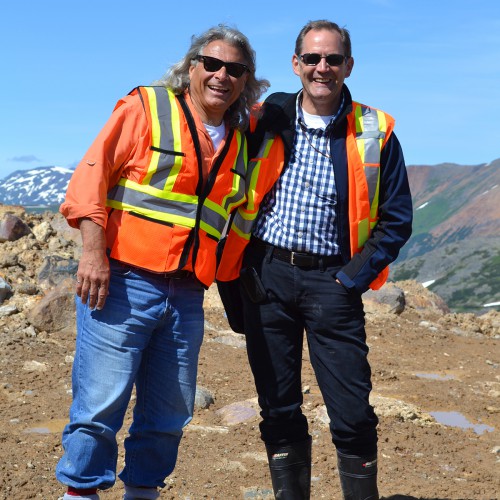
x=419, y=458
x=423, y=360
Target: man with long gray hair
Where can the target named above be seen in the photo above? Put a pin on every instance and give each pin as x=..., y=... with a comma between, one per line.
x=151, y=198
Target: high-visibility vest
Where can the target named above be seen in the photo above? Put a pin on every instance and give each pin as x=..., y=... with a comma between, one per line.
x=170, y=215
x=368, y=130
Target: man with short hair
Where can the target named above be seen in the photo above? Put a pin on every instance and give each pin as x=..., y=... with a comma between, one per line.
x=329, y=208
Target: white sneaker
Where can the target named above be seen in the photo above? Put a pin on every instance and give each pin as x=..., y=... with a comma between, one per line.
x=95, y=496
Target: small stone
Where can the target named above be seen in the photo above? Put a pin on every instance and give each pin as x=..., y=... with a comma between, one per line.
x=5, y=290
x=203, y=398
x=8, y=310
x=43, y=231
x=34, y=366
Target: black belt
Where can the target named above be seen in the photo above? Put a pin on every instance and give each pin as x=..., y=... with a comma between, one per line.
x=297, y=258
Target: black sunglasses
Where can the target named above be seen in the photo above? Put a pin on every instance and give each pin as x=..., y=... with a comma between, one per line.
x=212, y=64
x=312, y=59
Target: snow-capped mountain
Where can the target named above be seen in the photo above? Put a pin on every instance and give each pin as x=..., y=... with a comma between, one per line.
x=42, y=186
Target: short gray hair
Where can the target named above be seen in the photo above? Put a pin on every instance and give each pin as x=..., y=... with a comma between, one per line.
x=323, y=24
x=177, y=77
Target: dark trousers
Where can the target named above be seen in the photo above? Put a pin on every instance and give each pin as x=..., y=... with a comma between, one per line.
x=310, y=300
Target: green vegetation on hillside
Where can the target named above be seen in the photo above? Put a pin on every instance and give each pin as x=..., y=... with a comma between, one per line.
x=433, y=214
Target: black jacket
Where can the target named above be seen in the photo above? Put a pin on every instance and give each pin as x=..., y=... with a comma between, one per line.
x=395, y=205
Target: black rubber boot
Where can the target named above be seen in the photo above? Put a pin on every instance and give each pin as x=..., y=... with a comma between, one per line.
x=290, y=467
x=358, y=477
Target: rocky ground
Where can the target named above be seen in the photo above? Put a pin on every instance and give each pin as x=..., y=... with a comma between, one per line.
x=436, y=378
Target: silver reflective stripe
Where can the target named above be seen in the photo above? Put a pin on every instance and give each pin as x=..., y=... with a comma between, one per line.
x=243, y=225
x=166, y=161
x=253, y=169
x=212, y=219
x=240, y=163
x=371, y=135
x=372, y=179
x=235, y=198
x=376, y=134
x=264, y=148
x=138, y=200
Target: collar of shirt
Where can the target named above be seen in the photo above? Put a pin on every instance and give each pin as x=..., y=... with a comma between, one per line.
x=300, y=113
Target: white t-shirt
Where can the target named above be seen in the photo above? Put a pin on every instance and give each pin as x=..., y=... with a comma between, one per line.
x=316, y=121
x=216, y=133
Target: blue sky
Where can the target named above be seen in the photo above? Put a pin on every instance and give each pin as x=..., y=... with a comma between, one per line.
x=433, y=65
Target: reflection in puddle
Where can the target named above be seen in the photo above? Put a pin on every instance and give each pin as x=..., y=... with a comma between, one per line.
x=456, y=419
x=435, y=376
x=48, y=427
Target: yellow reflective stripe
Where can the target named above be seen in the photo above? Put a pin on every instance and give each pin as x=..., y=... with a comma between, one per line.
x=235, y=186
x=130, y=196
x=370, y=136
x=210, y=230
x=213, y=216
x=243, y=223
x=155, y=134
x=363, y=232
x=158, y=193
x=253, y=173
x=176, y=134
x=231, y=200
x=252, y=178
x=358, y=120
x=152, y=214
x=241, y=234
x=358, y=115
x=215, y=207
x=382, y=126
x=374, y=205
x=156, y=131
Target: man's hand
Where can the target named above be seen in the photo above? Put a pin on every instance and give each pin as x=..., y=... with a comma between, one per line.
x=92, y=278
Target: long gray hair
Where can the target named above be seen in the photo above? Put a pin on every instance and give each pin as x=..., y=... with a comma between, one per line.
x=177, y=77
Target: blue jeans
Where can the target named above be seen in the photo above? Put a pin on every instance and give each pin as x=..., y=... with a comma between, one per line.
x=310, y=300
x=149, y=334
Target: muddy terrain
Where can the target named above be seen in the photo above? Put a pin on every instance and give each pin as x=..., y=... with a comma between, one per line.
x=436, y=379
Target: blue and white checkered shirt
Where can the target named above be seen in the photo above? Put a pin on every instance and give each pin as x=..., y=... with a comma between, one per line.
x=298, y=213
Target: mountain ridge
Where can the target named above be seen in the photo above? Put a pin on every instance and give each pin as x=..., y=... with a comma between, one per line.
x=41, y=186
x=455, y=245
x=454, y=248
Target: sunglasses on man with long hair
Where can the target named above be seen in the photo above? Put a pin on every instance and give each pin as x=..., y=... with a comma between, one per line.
x=212, y=64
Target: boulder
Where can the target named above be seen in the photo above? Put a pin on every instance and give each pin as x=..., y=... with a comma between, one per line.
x=56, y=310
x=12, y=228
x=389, y=299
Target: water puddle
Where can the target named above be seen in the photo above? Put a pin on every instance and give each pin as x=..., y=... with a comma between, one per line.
x=434, y=376
x=456, y=419
x=48, y=427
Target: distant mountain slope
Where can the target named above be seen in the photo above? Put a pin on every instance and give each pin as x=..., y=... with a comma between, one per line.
x=452, y=201
x=43, y=186
x=465, y=274
x=455, y=244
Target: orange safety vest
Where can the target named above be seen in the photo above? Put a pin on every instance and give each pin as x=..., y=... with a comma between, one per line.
x=170, y=219
x=368, y=131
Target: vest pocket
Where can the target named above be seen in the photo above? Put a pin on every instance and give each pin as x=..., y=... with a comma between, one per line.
x=143, y=243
